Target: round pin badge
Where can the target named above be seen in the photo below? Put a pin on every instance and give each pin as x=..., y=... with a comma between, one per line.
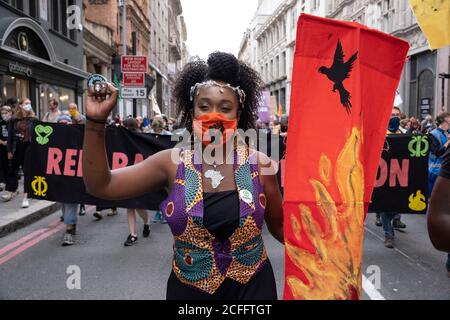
x=98, y=84
x=246, y=196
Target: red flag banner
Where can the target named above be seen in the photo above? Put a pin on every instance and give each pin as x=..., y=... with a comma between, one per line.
x=344, y=82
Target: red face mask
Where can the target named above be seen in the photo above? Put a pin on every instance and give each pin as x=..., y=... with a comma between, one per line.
x=212, y=121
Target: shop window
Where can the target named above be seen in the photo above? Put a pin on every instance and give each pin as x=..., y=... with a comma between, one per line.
x=15, y=87
x=64, y=96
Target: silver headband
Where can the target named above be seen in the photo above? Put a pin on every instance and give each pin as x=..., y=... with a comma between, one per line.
x=239, y=92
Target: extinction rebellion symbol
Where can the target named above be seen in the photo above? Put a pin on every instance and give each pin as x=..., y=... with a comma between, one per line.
x=43, y=132
x=418, y=146
x=39, y=186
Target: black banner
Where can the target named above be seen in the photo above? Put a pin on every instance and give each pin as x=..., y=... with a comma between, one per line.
x=401, y=184
x=55, y=171
x=54, y=163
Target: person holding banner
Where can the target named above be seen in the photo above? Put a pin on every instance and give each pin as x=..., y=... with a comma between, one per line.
x=220, y=192
x=133, y=125
x=439, y=142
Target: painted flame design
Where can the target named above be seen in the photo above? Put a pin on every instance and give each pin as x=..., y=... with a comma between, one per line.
x=333, y=269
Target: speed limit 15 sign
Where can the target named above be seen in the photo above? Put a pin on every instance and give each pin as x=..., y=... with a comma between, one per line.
x=134, y=93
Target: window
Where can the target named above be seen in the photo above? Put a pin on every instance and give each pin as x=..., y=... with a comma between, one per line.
x=283, y=64
x=271, y=69
x=293, y=18
x=59, y=18
x=277, y=66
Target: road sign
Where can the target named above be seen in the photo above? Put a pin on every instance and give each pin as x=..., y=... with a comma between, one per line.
x=134, y=93
x=134, y=79
x=134, y=64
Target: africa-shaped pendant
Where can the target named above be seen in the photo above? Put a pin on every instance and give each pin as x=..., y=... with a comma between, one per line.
x=215, y=176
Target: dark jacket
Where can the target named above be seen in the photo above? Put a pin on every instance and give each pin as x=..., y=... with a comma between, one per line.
x=13, y=138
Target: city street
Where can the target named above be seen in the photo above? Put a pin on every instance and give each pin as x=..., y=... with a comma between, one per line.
x=33, y=265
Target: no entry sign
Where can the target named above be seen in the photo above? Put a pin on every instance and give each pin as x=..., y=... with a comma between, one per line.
x=134, y=64
x=133, y=79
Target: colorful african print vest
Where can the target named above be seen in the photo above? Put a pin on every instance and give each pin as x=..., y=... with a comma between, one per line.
x=201, y=260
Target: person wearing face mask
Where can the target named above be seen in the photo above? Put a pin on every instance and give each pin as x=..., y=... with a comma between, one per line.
x=6, y=114
x=220, y=192
x=77, y=117
x=20, y=130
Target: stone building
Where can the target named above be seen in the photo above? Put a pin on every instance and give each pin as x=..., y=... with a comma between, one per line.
x=103, y=44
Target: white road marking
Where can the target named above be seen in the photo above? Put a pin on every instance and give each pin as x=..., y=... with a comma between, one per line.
x=370, y=290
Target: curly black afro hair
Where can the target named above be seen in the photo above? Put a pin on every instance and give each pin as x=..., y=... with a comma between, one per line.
x=220, y=67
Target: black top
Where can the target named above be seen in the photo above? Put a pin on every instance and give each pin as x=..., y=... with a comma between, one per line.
x=3, y=130
x=221, y=218
x=445, y=169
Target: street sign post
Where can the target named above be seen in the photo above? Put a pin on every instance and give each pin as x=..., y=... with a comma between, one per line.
x=134, y=93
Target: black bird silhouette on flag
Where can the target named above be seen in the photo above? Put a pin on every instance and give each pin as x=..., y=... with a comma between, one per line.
x=338, y=72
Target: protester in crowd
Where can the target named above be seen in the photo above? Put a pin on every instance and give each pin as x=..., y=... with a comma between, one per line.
x=117, y=121
x=54, y=112
x=439, y=139
x=404, y=125
x=396, y=112
x=69, y=210
x=133, y=126
x=414, y=126
x=20, y=131
x=222, y=93
x=5, y=172
x=140, y=123
x=427, y=124
x=158, y=127
x=14, y=103
x=146, y=124
x=76, y=116
x=439, y=210
x=388, y=219
x=284, y=120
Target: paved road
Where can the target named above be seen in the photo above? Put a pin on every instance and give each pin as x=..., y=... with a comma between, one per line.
x=33, y=265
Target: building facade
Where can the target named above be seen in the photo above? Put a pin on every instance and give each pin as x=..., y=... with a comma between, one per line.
x=41, y=52
x=104, y=25
x=159, y=53
x=268, y=44
x=422, y=91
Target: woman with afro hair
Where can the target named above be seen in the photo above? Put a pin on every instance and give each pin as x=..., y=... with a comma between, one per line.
x=220, y=190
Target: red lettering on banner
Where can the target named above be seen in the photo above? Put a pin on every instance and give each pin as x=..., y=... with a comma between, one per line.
x=120, y=160
x=138, y=158
x=400, y=173
x=55, y=156
x=395, y=172
x=382, y=173
x=70, y=162
x=80, y=164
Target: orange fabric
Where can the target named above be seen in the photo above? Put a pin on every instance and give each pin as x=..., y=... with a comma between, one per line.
x=205, y=125
x=344, y=81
